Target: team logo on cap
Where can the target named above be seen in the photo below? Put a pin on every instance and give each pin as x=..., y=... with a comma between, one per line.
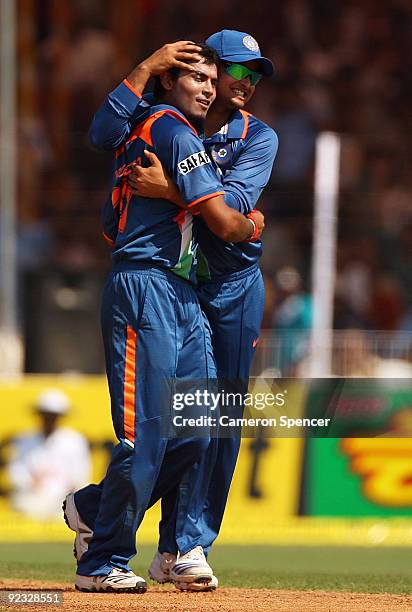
x=250, y=43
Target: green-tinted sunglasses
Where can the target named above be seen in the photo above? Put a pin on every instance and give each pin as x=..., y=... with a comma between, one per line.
x=239, y=72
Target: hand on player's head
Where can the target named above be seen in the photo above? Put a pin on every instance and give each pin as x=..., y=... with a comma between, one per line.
x=178, y=55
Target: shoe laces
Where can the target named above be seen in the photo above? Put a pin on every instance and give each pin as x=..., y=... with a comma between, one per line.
x=116, y=571
x=195, y=554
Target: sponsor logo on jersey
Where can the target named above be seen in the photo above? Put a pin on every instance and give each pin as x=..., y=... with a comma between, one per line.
x=250, y=43
x=200, y=158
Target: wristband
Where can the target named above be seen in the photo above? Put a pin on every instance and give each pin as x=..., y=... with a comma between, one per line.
x=255, y=233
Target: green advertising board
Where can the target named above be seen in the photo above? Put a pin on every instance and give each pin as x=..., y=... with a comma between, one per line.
x=355, y=475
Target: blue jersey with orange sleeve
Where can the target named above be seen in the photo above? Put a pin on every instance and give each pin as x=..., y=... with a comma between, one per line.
x=243, y=153
x=148, y=230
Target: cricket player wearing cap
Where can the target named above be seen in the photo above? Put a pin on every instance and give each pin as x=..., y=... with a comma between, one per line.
x=153, y=328
x=231, y=289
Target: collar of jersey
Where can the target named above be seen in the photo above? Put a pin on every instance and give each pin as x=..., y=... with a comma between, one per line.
x=234, y=129
x=173, y=111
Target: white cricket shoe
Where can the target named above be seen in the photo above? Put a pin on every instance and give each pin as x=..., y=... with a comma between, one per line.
x=160, y=567
x=118, y=581
x=198, y=586
x=75, y=522
x=192, y=567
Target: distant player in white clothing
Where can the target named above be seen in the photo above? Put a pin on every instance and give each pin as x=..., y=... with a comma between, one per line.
x=49, y=463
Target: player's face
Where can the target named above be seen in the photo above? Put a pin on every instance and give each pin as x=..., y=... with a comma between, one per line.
x=232, y=93
x=194, y=91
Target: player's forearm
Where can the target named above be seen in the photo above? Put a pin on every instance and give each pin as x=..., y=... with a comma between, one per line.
x=174, y=196
x=139, y=76
x=172, y=55
x=226, y=223
x=238, y=228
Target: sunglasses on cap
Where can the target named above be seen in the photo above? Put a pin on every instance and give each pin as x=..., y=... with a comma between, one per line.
x=239, y=72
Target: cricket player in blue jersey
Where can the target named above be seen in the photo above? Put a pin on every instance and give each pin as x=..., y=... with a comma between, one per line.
x=153, y=328
x=230, y=291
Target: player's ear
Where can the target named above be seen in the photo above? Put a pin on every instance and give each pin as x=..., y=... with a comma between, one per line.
x=166, y=80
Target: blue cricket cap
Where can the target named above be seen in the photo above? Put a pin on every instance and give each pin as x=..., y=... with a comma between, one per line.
x=238, y=47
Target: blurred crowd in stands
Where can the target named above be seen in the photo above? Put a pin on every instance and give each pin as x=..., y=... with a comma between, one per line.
x=341, y=66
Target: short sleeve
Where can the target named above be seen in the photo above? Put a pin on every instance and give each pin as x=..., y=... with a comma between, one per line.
x=182, y=153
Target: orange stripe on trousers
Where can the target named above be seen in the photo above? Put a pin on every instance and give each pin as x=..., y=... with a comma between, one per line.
x=130, y=386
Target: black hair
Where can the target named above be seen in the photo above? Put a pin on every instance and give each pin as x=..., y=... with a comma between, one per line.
x=207, y=53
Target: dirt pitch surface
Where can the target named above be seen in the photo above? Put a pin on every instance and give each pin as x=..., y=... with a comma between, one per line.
x=167, y=599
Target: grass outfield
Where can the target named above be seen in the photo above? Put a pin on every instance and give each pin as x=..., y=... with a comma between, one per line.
x=369, y=570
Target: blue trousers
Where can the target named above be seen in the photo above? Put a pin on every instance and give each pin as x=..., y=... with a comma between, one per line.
x=154, y=332
x=234, y=308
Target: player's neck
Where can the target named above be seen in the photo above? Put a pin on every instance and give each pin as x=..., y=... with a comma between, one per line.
x=216, y=118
